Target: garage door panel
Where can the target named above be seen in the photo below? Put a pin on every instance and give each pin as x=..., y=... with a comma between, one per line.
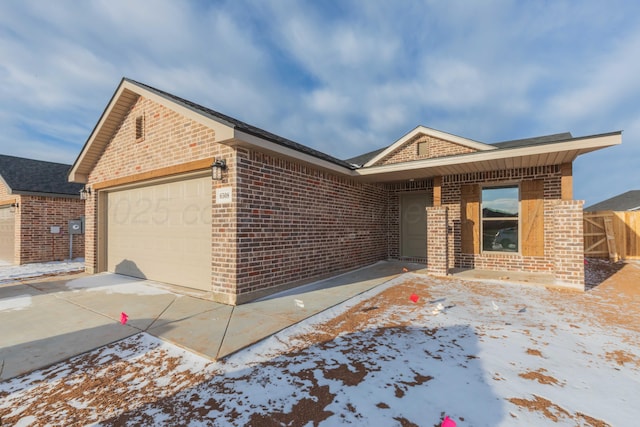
x=164, y=230
x=7, y=235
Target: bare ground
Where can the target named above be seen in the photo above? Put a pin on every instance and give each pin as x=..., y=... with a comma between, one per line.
x=115, y=387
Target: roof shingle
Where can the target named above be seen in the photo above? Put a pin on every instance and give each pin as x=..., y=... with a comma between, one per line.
x=36, y=176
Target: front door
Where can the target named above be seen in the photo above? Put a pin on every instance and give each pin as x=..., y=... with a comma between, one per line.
x=413, y=225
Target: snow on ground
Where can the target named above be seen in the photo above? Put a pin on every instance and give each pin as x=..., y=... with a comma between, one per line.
x=14, y=272
x=485, y=354
x=112, y=284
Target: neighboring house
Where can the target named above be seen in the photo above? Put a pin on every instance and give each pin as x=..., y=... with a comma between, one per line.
x=272, y=214
x=36, y=204
x=629, y=201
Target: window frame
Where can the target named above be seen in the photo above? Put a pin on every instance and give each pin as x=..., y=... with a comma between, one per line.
x=518, y=218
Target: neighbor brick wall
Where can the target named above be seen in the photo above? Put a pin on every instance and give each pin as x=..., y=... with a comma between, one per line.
x=296, y=222
x=35, y=217
x=436, y=148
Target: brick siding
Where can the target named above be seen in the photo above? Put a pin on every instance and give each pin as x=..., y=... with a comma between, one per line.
x=289, y=222
x=296, y=222
x=551, y=176
x=436, y=147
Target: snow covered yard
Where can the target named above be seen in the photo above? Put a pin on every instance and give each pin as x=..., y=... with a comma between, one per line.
x=485, y=354
x=10, y=273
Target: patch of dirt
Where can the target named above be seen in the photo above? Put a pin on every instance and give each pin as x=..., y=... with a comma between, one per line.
x=622, y=357
x=554, y=412
x=534, y=352
x=540, y=376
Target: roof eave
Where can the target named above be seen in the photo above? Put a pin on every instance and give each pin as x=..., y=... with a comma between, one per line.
x=500, y=159
x=247, y=140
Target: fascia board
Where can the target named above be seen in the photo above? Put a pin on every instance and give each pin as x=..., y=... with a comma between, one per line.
x=244, y=139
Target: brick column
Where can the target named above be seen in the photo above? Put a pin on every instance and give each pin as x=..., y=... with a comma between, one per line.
x=437, y=251
x=568, y=232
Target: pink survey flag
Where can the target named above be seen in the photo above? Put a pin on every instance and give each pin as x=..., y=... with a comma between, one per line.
x=448, y=422
x=123, y=317
x=414, y=297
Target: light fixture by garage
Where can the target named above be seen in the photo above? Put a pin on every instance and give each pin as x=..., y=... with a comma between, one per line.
x=216, y=169
x=85, y=192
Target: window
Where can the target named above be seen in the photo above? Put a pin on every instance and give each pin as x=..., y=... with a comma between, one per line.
x=500, y=219
x=139, y=128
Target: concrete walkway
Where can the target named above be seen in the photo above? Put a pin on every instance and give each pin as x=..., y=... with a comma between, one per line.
x=48, y=320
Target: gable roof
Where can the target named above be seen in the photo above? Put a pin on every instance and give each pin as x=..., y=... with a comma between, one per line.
x=28, y=176
x=531, y=152
x=499, y=158
x=228, y=130
x=423, y=130
x=629, y=201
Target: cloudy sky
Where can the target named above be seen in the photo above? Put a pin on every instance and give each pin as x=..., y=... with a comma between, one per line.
x=344, y=77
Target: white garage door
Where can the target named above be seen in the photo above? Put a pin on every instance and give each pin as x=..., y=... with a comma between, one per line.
x=162, y=232
x=7, y=235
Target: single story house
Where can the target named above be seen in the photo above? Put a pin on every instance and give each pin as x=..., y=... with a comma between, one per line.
x=36, y=204
x=629, y=201
x=186, y=195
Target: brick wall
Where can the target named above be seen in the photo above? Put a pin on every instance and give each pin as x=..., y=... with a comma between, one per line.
x=551, y=176
x=36, y=216
x=437, y=242
x=170, y=139
x=296, y=222
x=435, y=147
x=568, y=243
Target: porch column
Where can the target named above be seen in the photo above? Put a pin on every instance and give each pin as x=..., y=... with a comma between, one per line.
x=568, y=244
x=437, y=250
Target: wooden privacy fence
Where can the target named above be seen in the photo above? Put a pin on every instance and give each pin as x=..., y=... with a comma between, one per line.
x=613, y=235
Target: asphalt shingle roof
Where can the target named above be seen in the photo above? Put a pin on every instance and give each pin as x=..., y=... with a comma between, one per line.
x=244, y=127
x=517, y=143
x=622, y=202
x=364, y=158
x=36, y=176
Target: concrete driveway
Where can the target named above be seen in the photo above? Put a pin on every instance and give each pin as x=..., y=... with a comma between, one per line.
x=48, y=320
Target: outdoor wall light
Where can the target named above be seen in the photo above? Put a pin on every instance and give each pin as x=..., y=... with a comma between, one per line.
x=216, y=169
x=13, y=207
x=85, y=192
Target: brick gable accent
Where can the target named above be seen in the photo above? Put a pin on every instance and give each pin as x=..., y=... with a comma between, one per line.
x=169, y=139
x=435, y=147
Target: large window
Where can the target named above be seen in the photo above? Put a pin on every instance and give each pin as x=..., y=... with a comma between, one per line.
x=500, y=217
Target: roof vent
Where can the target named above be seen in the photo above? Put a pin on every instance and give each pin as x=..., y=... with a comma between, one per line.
x=139, y=128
